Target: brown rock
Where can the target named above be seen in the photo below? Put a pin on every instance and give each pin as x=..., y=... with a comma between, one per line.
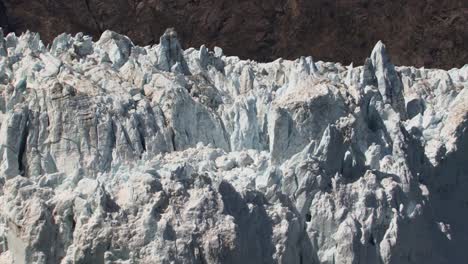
x=427, y=33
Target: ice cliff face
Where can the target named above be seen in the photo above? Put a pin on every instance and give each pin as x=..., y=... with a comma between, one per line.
x=114, y=153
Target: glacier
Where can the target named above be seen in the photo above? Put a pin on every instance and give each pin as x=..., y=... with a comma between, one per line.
x=115, y=153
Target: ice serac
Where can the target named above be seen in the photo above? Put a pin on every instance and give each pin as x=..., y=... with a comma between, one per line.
x=115, y=153
x=2, y=44
x=388, y=82
x=170, y=53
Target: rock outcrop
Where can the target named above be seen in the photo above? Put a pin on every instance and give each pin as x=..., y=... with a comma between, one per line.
x=420, y=33
x=115, y=153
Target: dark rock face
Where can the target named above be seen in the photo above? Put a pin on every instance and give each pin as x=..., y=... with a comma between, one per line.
x=427, y=33
x=3, y=17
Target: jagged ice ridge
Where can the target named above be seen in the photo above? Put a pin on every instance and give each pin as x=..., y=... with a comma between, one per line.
x=114, y=153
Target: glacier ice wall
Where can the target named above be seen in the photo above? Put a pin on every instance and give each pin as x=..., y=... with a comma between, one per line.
x=114, y=153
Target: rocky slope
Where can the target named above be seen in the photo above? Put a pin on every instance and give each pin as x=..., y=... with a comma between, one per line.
x=428, y=33
x=115, y=153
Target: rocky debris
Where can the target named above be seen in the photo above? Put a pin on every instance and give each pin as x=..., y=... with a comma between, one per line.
x=115, y=153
